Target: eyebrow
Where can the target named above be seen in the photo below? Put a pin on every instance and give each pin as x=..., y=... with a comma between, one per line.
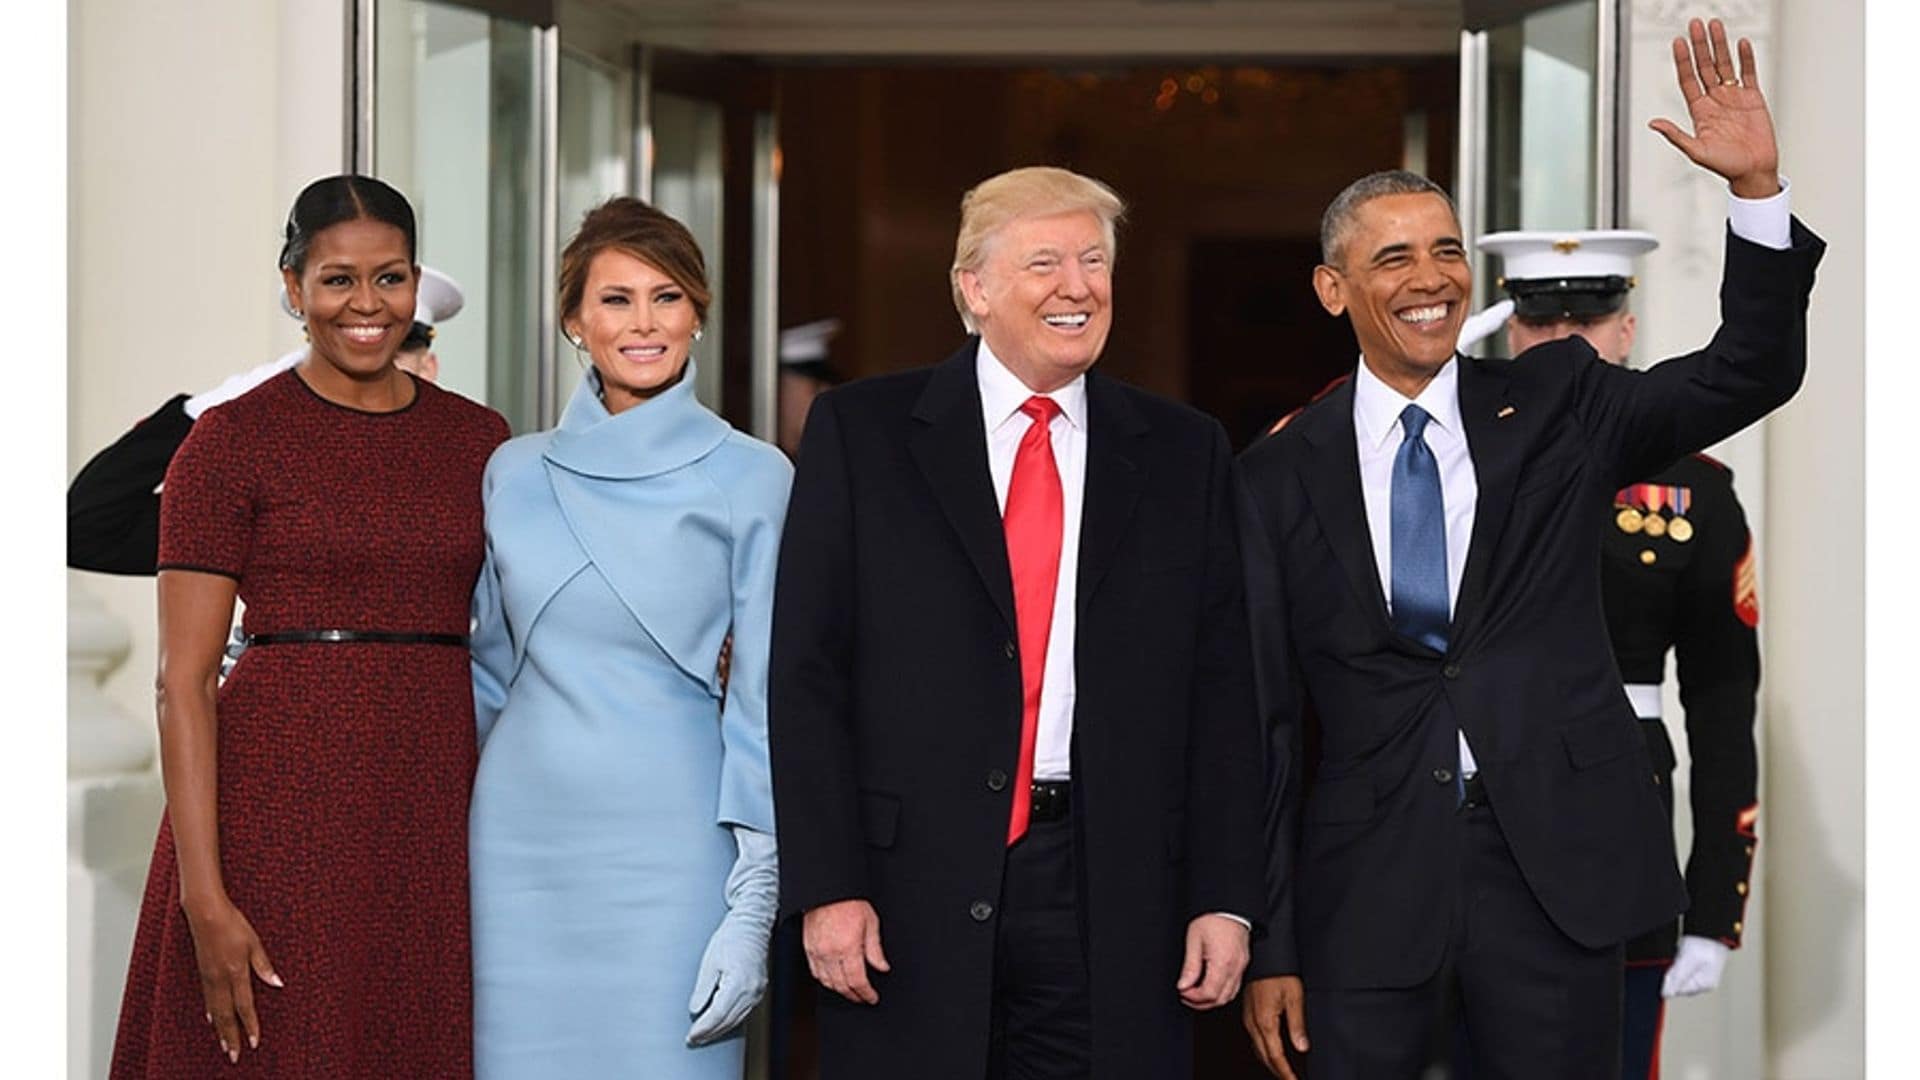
x=388, y=265
x=1403, y=249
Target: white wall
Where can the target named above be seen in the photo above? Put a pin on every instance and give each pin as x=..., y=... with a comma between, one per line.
x=192, y=126
x=1814, y=601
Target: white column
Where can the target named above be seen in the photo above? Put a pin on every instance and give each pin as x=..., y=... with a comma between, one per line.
x=114, y=801
x=1814, y=588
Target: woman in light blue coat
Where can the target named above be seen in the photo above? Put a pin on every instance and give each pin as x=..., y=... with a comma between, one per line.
x=622, y=851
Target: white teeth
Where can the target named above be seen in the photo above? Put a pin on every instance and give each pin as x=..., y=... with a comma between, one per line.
x=1078, y=318
x=364, y=333
x=1424, y=314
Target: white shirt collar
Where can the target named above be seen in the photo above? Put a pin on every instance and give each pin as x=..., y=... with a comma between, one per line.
x=1002, y=393
x=1377, y=406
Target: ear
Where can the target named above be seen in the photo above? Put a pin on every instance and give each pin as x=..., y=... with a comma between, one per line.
x=1513, y=338
x=291, y=282
x=1627, y=326
x=1330, y=287
x=430, y=367
x=975, y=293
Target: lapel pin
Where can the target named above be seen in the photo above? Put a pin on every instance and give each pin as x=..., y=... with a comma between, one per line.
x=1503, y=413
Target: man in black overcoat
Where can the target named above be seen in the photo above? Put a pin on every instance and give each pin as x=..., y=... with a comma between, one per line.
x=1461, y=803
x=1016, y=763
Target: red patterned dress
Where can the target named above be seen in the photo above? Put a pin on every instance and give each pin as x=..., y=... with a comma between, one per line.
x=344, y=768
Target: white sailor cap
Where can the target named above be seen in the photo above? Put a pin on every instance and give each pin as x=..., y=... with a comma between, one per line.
x=440, y=298
x=1581, y=272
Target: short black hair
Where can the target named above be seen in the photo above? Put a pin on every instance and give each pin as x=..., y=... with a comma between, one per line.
x=1337, y=222
x=331, y=200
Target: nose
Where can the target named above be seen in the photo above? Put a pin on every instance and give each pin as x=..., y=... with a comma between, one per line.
x=1073, y=280
x=365, y=300
x=1427, y=276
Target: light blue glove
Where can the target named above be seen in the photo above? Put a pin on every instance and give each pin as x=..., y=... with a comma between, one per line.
x=733, y=971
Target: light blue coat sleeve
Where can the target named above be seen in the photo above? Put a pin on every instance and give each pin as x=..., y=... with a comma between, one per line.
x=757, y=498
x=492, y=644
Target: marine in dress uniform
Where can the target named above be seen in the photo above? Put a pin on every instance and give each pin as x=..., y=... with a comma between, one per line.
x=1677, y=572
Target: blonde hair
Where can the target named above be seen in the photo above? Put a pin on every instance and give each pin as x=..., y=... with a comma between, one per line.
x=1034, y=191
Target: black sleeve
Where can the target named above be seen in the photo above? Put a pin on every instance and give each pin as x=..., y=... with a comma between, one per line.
x=1224, y=775
x=1278, y=694
x=1716, y=650
x=113, y=507
x=1642, y=420
x=810, y=690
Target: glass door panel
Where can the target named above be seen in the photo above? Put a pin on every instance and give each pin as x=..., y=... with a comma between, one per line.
x=689, y=144
x=1539, y=131
x=456, y=128
x=596, y=163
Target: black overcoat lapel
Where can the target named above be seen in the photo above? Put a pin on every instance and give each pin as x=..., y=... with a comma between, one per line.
x=1114, y=480
x=950, y=447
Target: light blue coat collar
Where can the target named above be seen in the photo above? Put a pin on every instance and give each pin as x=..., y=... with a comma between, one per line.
x=659, y=435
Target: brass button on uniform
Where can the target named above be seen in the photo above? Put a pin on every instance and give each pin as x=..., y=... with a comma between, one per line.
x=1738, y=927
x=980, y=910
x=1648, y=557
x=996, y=780
x=1741, y=888
x=1443, y=776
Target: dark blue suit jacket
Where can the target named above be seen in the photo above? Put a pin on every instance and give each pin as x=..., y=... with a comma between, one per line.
x=1362, y=719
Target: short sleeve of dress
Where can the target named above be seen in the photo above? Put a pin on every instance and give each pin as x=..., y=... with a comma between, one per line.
x=207, y=500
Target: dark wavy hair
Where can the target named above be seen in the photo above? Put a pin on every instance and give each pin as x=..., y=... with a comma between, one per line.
x=348, y=197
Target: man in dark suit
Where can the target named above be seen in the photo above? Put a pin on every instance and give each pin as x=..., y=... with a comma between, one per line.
x=1016, y=763
x=1460, y=800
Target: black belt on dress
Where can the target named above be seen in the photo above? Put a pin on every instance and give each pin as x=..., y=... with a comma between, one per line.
x=329, y=637
x=1050, y=800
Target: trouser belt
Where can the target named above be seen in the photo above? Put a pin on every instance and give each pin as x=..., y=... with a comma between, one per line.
x=1050, y=800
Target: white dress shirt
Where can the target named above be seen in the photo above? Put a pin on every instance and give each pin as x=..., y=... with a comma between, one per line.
x=1376, y=429
x=1001, y=395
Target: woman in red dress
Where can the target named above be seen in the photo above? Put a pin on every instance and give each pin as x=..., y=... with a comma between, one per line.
x=306, y=911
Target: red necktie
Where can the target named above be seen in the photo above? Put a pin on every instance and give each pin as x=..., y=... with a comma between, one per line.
x=1032, y=520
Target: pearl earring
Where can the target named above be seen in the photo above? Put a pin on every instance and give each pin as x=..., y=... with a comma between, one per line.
x=698, y=331
x=574, y=340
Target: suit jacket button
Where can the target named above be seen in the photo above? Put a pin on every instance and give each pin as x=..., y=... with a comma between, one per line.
x=1009, y=650
x=996, y=780
x=980, y=910
x=1451, y=671
x=1443, y=776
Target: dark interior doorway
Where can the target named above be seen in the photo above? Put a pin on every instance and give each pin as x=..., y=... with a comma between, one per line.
x=1226, y=169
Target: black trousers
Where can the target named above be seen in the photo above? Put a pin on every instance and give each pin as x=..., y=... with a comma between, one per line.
x=1531, y=1002
x=1042, y=1022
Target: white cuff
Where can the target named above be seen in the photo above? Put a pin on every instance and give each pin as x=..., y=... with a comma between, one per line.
x=1767, y=222
x=1230, y=915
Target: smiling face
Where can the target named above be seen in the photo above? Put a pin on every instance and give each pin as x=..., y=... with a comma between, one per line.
x=637, y=325
x=1043, y=296
x=1404, y=281
x=356, y=293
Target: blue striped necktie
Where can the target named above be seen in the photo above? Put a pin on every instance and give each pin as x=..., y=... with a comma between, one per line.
x=1419, y=537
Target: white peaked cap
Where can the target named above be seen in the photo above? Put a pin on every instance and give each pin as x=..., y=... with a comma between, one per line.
x=1579, y=253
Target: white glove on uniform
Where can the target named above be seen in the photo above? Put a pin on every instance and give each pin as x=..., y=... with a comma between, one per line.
x=1697, y=969
x=733, y=972
x=1480, y=324
x=235, y=385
